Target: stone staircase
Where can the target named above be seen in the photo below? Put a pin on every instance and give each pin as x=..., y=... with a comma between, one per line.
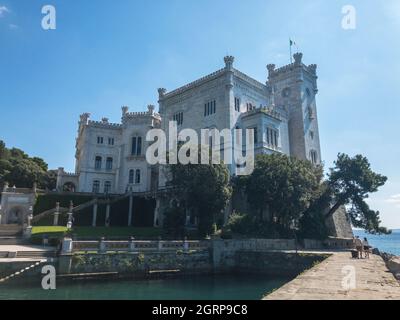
x=10, y=234
x=12, y=241
x=10, y=230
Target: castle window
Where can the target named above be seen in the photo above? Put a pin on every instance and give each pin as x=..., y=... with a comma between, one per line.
x=137, y=176
x=237, y=104
x=178, y=117
x=272, y=136
x=97, y=163
x=255, y=132
x=210, y=108
x=96, y=186
x=107, y=187
x=111, y=141
x=312, y=135
x=136, y=146
x=311, y=115
x=313, y=157
x=250, y=106
x=131, y=176
x=109, y=163
x=100, y=140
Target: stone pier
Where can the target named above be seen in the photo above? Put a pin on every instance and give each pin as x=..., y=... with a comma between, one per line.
x=333, y=279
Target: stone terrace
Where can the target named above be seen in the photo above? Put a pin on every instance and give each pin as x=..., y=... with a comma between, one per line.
x=324, y=281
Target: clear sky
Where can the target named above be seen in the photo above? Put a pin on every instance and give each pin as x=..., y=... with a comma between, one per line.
x=105, y=54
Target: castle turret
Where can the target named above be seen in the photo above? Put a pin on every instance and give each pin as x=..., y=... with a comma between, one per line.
x=295, y=88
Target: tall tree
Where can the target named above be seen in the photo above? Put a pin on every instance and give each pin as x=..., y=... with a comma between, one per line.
x=203, y=189
x=350, y=182
x=18, y=169
x=284, y=185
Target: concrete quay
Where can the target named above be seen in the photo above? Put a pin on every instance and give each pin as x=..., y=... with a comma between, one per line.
x=340, y=277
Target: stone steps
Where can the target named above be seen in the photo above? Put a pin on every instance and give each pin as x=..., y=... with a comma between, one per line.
x=36, y=254
x=28, y=254
x=9, y=230
x=12, y=241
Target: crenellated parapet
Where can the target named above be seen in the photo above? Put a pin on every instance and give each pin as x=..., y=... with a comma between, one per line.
x=104, y=124
x=84, y=118
x=141, y=116
x=297, y=65
x=229, y=62
x=269, y=111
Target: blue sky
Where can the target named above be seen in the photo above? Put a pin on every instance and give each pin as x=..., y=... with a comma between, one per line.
x=105, y=54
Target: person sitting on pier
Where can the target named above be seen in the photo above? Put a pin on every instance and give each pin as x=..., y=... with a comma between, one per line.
x=366, y=247
x=359, y=247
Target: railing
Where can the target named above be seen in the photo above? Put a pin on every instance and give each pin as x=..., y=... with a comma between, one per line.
x=103, y=246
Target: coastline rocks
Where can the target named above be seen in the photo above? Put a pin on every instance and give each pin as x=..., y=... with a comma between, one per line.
x=376, y=251
x=394, y=266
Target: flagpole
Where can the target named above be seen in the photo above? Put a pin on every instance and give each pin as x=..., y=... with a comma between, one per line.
x=290, y=50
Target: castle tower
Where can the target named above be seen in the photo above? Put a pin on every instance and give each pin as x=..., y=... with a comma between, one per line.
x=295, y=88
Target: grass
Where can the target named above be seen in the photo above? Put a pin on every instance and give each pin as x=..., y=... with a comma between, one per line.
x=98, y=232
x=48, y=230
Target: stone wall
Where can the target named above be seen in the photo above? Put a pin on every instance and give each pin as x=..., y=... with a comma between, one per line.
x=136, y=264
x=139, y=265
x=276, y=263
x=339, y=224
x=330, y=243
x=392, y=262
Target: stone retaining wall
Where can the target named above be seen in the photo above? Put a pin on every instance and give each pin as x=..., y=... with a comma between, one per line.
x=276, y=263
x=136, y=264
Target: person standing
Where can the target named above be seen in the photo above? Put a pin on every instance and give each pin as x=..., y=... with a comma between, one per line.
x=366, y=247
x=359, y=247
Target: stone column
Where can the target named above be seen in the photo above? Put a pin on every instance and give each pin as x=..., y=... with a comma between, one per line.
x=67, y=246
x=94, y=219
x=156, y=222
x=185, y=245
x=159, y=244
x=56, y=214
x=102, y=246
x=132, y=244
x=130, y=210
x=107, y=215
x=70, y=214
x=27, y=228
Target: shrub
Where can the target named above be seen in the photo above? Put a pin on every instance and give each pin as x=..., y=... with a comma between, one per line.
x=252, y=226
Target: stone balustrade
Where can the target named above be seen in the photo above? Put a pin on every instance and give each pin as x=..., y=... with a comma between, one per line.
x=103, y=246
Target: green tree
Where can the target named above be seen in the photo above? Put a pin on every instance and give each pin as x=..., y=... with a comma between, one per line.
x=350, y=182
x=283, y=185
x=174, y=221
x=203, y=189
x=18, y=169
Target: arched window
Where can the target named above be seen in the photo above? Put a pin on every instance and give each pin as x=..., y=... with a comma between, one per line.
x=136, y=146
x=313, y=157
x=137, y=178
x=131, y=176
x=96, y=186
x=109, y=163
x=107, y=187
x=97, y=163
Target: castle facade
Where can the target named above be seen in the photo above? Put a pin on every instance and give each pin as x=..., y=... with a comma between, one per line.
x=282, y=111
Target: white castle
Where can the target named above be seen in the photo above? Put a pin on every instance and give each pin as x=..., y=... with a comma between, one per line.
x=110, y=157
